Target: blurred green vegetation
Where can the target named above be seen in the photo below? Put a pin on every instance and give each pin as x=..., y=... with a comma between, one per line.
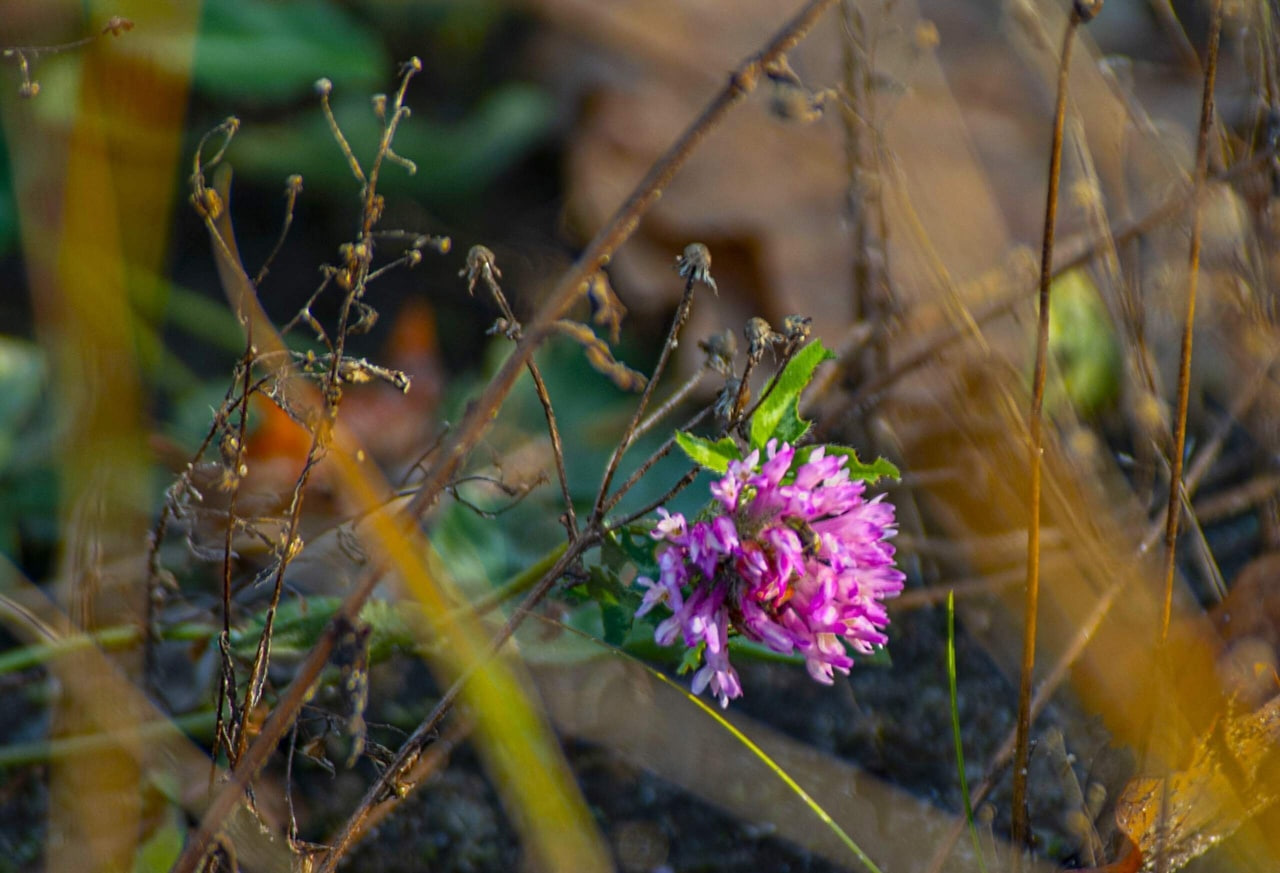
x=259, y=61
x=1084, y=346
x=27, y=478
x=264, y=59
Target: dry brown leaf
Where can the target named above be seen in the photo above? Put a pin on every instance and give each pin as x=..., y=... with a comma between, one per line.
x=1208, y=801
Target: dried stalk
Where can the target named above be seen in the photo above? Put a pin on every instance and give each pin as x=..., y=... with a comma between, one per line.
x=1079, y=14
x=1184, y=361
x=457, y=446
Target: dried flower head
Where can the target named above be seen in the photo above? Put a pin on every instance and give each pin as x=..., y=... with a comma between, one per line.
x=695, y=265
x=721, y=348
x=760, y=336
x=791, y=556
x=791, y=100
x=727, y=399
x=797, y=328
x=117, y=24
x=1086, y=10
x=481, y=264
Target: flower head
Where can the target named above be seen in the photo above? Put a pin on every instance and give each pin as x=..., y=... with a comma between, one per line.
x=792, y=555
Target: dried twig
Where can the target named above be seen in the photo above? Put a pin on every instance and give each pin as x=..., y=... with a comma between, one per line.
x=25, y=55
x=1081, y=11
x=482, y=266
x=1188, y=325
x=458, y=443
x=673, y=334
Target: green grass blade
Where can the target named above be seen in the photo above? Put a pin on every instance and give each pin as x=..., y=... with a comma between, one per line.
x=955, y=726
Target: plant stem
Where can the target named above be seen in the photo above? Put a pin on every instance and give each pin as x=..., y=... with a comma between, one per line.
x=1184, y=361
x=955, y=727
x=1081, y=253
x=198, y=724
x=628, y=435
x=1075, y=648
x=1035, y=449
x=460, y=441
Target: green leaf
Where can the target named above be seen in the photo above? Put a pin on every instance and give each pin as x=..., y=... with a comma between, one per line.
x=714, y=456
x=298, y=625
x=691, y=660
x=275, y=51
x=455, y=159
x=743, y=648
x=873, y=472
x=160, y=851
x=604, y=586
x=23, y=380
x=1083, y=345
x=792, y=427
x=612, y=554
x=781, y=406
x=617, y=603
x=634, y=545
x=617, y=623
x=879, y=657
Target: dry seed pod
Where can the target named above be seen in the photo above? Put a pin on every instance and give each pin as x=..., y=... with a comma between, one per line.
x=760, y=336
x=117, y=24
x=727, y=399
x=797, y=328
x=1085, y=10
x=695, y=265
x=481, y=263
x=721, y=348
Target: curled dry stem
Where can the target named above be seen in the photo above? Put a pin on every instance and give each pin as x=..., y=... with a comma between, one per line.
x=293, y=187
x=230, y=734
x=482, y=266
x=353, y=276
